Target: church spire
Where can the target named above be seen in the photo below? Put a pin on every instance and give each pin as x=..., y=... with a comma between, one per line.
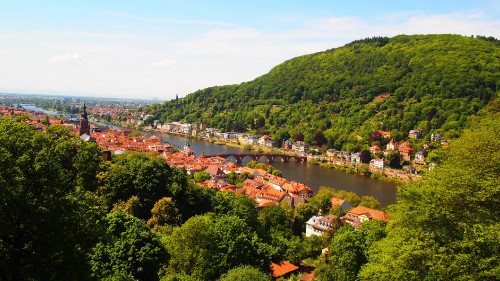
x=84, y=122
x=84, y=111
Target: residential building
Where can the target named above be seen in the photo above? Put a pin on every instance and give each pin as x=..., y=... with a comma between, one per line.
x=375, y=149
x=415, y=134
x=436, y=137
x=300, y=146
x=385, y=134
x=282, y=269
x=356, y=158
x=377, y=163
x=266, y=141
x=405, y=152
x=318, y=225
x=361, y=214
x=343, y=204
x=392, y=145
x=420, y=157
x=216, y=172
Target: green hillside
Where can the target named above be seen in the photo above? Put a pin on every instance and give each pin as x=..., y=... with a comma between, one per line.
x=433, y=83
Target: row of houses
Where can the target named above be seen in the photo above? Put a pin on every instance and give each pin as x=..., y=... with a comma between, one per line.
x=318, y=225
x=266, y=189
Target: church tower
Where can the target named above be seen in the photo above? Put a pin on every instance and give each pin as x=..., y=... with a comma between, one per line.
x=84, y=122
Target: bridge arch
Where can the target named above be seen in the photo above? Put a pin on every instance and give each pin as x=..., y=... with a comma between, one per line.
x=257, y=156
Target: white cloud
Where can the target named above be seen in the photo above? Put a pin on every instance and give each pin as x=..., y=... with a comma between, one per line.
x=164, y=64
x=132, y=63
x=67, y=58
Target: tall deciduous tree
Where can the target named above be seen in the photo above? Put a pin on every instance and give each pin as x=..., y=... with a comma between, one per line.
x=446, y=227
x=47, y=225
x=129, y=249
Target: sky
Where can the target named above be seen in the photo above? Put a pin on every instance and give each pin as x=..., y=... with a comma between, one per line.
x=162, y=48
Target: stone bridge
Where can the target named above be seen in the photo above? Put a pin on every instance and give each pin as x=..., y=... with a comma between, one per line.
x=256, y=156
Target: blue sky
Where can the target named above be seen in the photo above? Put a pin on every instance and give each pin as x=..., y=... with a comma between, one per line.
x=146, y=49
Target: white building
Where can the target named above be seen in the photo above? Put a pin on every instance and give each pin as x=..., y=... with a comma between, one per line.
x=300, y=146
x=266, y=141
x=378, y=163
x=317, y=225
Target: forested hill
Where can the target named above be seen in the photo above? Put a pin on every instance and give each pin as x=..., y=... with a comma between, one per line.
x=428, y=82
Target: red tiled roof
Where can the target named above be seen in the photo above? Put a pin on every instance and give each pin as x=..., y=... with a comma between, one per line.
x=371, y=213
x=284, y=267
x=336, y=201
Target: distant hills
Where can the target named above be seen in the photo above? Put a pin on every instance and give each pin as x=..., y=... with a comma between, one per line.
x=433, y=83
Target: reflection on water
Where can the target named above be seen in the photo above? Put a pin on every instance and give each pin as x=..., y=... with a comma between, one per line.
x=313, y=176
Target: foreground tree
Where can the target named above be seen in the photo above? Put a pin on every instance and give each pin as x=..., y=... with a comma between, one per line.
x=47, y=224
x=447, y=227
x=206, y=248
x=129, y=249
x=245, y=273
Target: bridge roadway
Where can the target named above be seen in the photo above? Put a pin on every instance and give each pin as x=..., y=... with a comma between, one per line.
x=256, y=156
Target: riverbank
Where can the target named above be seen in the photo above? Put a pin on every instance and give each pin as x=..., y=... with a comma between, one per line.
x=314, y=176
x=396, y=177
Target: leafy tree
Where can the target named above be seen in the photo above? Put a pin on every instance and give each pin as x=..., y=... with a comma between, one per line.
x=349, y=250
x=274, y=219
x=201, y=176
x=319, y=139
x=228, y=203
x=143, y=175
x=47, y=225
x=369, y=202
x=245, y=273
x=205, y=249
x=132, y=206
x=298, y=137
x=365, y=156
x=394, y=160
x=347, y=255
x=446, y=227
x=164, y=213
x=128, y=249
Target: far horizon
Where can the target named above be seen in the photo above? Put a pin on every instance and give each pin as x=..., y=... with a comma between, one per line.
x=160, y=49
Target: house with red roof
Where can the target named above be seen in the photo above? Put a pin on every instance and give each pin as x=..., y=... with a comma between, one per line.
x=405, y=152
x=216, y=172
x=283, y=269
x=318, y=225
x=375, y=149
x=377, y=163
x=299, y=189
x=392, y=145
x=343, y=204
x=361, y=214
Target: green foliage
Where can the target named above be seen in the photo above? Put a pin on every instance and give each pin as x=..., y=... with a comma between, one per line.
x=128, y=249
x=146, y=176
x=132, y=206
x=47, y=225
x=394, y=160
x=268, y=168
x=274, y=219
x=201, y=176
x=245, y=273
x=430, y=82
x=369, y=202
x=446, y=227
x=164, y=213
x=349, y=249
x=205, y=248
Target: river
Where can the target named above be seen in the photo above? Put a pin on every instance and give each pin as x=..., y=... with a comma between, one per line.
x=313, y=176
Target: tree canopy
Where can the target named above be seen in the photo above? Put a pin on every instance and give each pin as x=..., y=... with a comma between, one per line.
x=446, y=227
x=432, y=83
